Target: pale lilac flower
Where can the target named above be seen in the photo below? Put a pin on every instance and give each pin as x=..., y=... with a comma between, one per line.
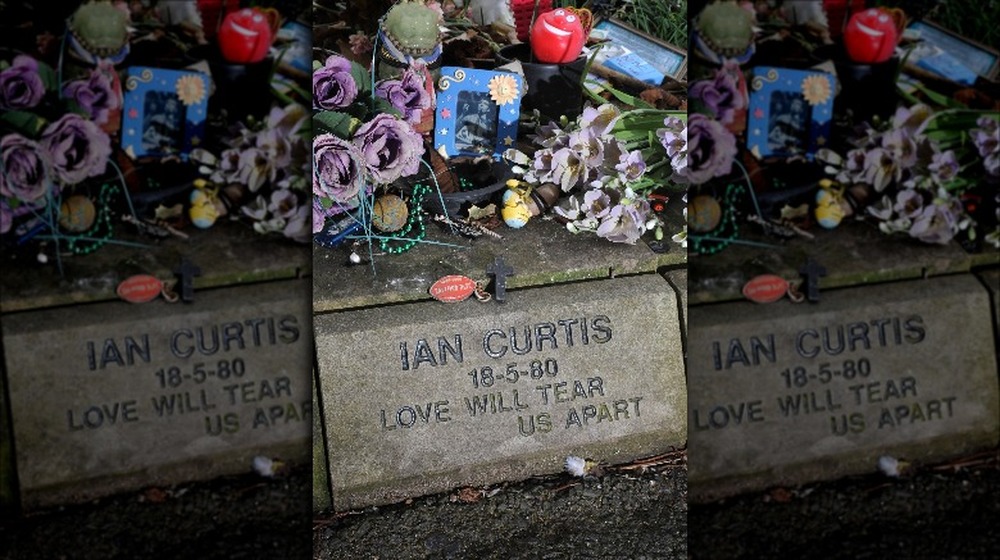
x=338, y=168
x=333, y=84
x=77, y=148
x=568, y=170
x=934, y=224
x=588, y=146
x=631, y=166
x=912, y=119
x=283, y=203
x=596, y=203
x=297, y=226
x=944, y=167
x=987, y=141
x=711, y=149
x=255, y=168
x=880, y=168
x=390, y=148
x=23, y=169
x=900, y=144
x=408, y=94
x=909, y=203
x=21, y=86
x=94, y=95
x=623, y=224
x=601, y=119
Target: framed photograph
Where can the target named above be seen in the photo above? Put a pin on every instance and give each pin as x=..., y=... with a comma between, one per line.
x=631, y=50
x=164, y=112
x=950, y=55
x=790, y=112
x=477, y=111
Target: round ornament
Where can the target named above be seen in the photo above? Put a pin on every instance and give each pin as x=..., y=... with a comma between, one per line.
x=389, y=213
x=515, y=212
x=871, y=36
x=77, y=214
x=203, y=212
x=245, y=36
x=704, y=213
x=557, y=37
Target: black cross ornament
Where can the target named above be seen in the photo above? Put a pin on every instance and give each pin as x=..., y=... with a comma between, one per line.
x=499, y=271
x=812, y=271
x=186, y=273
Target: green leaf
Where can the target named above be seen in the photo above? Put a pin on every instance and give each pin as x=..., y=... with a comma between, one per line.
x=339, y=124
x=362, y=78
x=383, y=106
x=28, y=124
x=49, y=77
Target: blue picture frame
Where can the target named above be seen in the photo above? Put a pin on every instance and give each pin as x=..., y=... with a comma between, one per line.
x=790, y=112
x=477, y=111
x=164, y=112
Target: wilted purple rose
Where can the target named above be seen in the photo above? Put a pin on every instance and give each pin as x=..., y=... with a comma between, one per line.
x=390, y=148
x=408, y=94
x=77, y=148
x=6, y=216
x=336, y=170
x=711, y=149
x=94, y=95
x=333, y=84
x=23, y=171
x=21, y=86
x=720, y=95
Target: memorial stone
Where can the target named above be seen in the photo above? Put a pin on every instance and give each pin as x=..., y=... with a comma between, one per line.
x=107, y=397
x=423, y=397
x=784, y=393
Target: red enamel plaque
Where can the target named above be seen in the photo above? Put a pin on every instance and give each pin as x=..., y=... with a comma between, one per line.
x=453, y=288
x=765, y=288
x=140, y=288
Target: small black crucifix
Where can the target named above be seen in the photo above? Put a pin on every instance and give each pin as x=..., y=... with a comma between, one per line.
x=499, y=271
x=186, y=273
x=812, y=272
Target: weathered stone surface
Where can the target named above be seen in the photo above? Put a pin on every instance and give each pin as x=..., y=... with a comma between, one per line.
x=788, y=393
x=423, y=397
x=113, y=396
x=991, y=279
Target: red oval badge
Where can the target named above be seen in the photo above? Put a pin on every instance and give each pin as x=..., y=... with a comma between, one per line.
x=140, y=288
x=453, y=288
x=765, y=288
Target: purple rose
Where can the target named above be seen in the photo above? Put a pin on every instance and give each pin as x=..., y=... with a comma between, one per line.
x=711, y=149
x=390, y=148
x=720, y=95
x=21, y=85
x=407, y=94
x=24, y=169
x=77, y=148
x=336, y=170
x=333, y=84
x=95, y=95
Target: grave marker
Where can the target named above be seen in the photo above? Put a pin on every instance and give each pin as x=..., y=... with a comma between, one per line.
x=114, y=396
x=784, y=394
x=424, y=397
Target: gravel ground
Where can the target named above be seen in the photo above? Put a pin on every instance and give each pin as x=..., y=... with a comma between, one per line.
x=942, y=512
x=638, y=513
x=241, y=517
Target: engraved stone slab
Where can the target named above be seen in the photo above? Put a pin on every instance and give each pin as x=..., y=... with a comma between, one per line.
x=789, y=393
x=114, y=396
x=423, y=397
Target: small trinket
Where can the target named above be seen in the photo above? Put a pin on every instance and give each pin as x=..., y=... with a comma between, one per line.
x=186, y=273
x=499, y=270
x=389, y=213
x=246, y=35
x=871, y=36
x=453, y=288
x=765, y=288
x=140, y=288
x=521, y=202
x=829, y=205
x=704, y=213
x=812, y=271
x=77, y=213
x=205, y=205
x=557, y=37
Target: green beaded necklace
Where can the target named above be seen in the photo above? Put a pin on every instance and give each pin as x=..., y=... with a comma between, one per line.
x=98, y=234
x=726, y=231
